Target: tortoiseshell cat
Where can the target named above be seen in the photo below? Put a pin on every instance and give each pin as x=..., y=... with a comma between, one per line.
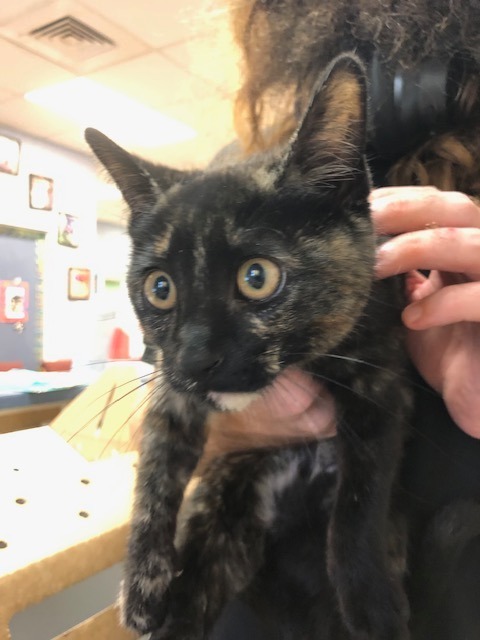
x=237, y=274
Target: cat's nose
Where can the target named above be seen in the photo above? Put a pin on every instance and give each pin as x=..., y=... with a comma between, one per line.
x=196, y=357
x=198, y=363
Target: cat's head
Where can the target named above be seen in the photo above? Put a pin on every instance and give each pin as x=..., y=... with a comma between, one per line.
x=238, y=273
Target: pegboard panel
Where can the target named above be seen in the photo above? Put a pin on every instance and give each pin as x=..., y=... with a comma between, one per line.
x=62, y=518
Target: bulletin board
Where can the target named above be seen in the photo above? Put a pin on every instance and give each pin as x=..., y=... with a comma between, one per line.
x=20, y=302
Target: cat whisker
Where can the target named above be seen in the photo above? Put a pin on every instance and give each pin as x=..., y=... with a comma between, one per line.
x=349, y=388
x=100, y=414
x=145, y=400
x=96, y=363
x=458, y=460
x=384, y=303
x=151, y=374
x=406, y=378
x=356, y=438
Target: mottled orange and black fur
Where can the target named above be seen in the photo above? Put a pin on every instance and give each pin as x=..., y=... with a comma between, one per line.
x=304, y=209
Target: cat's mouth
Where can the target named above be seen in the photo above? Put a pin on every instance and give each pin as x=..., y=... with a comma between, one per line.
x=290, y=393
x=232, y=401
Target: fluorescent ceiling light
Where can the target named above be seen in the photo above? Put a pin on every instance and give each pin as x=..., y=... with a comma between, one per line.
x=127, y=121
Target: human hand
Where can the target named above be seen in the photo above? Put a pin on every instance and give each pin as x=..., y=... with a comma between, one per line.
x=294, y=408
x=437, y=231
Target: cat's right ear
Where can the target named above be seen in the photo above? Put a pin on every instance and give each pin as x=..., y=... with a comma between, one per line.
x=329, y=144
x=140, y=182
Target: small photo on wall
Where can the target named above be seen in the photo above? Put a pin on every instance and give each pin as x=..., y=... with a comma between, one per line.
x=79, y=284
x=9, y=155
x=13, y=300
x=41, y=193
x=68, y=230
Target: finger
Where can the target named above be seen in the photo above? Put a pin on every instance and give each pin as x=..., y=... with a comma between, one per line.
x=405, y=191
x=457, y=303
x=417, y=208
x=444, y=249
x=419, y=286
x=423, y=348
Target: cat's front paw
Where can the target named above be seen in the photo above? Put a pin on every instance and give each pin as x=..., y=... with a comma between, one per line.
x=185, y=614
x=143, y=595
x=179, y=630
x=379, y=612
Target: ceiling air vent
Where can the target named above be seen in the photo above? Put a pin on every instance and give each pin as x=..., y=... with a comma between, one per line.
x=69, y=34
x=73, y=38
x=69, y=28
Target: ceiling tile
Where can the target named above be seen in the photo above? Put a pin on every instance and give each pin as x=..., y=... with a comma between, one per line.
x=31, y=118
x=213, y=57
x=212, y=115
x=13, y=8
x=219, y=66
x=82, y=40
x=5, y=95
x=212, y=119
x=156, y=22
x=27, y=71
x=154, y=80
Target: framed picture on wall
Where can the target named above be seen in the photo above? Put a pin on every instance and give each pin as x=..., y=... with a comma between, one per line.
x=40, y=192
x=79, y=283
x=9, y=154
x=13, y=300
x=68, y=230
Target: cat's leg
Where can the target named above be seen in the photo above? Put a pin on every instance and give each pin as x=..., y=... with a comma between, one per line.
x=221, y=537
x=369, y=588
x=171, y=445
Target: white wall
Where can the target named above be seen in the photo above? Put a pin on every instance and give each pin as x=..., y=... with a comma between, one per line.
x=114, y=308
x=71, y=328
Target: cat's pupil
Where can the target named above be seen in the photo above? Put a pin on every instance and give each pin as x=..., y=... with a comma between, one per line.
x=255, y=276
x=161, y=288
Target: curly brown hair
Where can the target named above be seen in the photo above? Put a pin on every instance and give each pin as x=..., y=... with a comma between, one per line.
x=286, y=42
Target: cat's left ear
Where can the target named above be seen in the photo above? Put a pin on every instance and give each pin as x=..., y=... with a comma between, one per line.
x=140, y=182
x=329, y=145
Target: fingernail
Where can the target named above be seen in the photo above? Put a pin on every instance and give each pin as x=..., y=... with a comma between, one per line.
x=375, y=194
x=382, y=253
x=412, y=313
x=377, y=203
x=383, y=249
x=379, y=263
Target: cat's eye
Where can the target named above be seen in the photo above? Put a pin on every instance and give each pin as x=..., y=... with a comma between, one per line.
x=259, y=279
x=160, y=290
